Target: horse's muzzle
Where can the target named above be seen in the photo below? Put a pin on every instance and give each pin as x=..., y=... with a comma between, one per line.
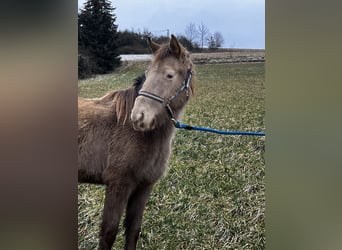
x=142, y=120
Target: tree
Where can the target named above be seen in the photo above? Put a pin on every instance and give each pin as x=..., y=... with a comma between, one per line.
x=191, y=33
x=203, y=32
x=97, y=36
x=130, y=42
x=218, y=38
x=211, y=42
x=215, y=41
x=185, y=42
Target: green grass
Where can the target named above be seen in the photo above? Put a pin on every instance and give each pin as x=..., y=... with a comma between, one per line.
x=213, y=196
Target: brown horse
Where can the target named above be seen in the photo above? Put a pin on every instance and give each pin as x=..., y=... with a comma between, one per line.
x=124, y=138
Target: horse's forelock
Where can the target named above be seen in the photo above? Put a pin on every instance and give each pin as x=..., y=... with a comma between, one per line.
x=165, y=51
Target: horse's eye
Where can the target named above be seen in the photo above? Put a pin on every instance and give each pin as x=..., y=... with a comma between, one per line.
x=169, y=76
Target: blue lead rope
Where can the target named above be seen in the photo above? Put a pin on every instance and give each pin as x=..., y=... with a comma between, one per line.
x=221, y=132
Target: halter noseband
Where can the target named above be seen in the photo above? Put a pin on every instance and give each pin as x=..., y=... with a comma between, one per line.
x=167, y=101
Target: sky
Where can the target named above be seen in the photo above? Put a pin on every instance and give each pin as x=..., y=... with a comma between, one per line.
x=241, y=22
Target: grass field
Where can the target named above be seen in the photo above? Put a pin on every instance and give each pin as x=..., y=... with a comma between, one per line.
x=213, y=196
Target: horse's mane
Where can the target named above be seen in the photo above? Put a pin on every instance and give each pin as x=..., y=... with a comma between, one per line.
x=122, y=101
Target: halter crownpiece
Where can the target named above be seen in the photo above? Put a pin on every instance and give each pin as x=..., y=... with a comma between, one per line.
x=167, y=101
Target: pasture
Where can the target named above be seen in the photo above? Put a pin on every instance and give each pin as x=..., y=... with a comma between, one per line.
x=213, y=196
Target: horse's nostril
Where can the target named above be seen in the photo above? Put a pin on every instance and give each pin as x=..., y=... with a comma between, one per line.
x=137, y=117
x=142, y=121
x=153, y=123
x=138, y=121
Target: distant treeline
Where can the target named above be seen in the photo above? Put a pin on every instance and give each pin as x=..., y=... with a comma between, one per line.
x=130, y=42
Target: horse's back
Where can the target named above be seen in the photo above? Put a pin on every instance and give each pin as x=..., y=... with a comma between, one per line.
x=95, y=122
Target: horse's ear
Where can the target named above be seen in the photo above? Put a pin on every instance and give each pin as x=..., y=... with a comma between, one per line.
x=175, y=46
x=153, y=46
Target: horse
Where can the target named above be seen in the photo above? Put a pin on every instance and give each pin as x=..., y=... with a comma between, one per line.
x=124, y=138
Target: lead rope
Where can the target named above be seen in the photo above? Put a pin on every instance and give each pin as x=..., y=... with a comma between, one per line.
x=216, y=131
x=180, y=125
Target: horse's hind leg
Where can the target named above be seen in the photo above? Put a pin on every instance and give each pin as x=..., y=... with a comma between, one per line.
x=115, y=202
x=134, y=214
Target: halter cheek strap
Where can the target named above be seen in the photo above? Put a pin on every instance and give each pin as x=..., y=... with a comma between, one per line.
x=167, y=101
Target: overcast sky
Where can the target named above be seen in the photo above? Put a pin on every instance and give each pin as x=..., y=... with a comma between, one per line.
x=241, y=22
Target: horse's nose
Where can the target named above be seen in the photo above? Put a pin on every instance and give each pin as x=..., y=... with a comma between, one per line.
x=142, y=122
x=138, y=121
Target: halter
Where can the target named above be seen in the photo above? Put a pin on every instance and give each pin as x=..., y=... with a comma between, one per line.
x=167, y=101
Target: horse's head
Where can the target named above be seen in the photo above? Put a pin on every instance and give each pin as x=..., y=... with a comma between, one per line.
x=166, y=88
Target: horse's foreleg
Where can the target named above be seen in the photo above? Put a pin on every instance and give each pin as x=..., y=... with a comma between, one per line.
x=134, y=214
x=115, y=202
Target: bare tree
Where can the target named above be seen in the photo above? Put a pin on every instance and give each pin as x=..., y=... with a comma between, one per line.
x=211, y=42
x=203, y=31
x=191, y=32
x=218, y=38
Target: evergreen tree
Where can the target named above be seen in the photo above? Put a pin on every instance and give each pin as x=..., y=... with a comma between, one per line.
x=97, y=36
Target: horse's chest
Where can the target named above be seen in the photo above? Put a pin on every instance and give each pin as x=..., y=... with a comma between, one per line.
x=153, y=164
x=143, y=157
